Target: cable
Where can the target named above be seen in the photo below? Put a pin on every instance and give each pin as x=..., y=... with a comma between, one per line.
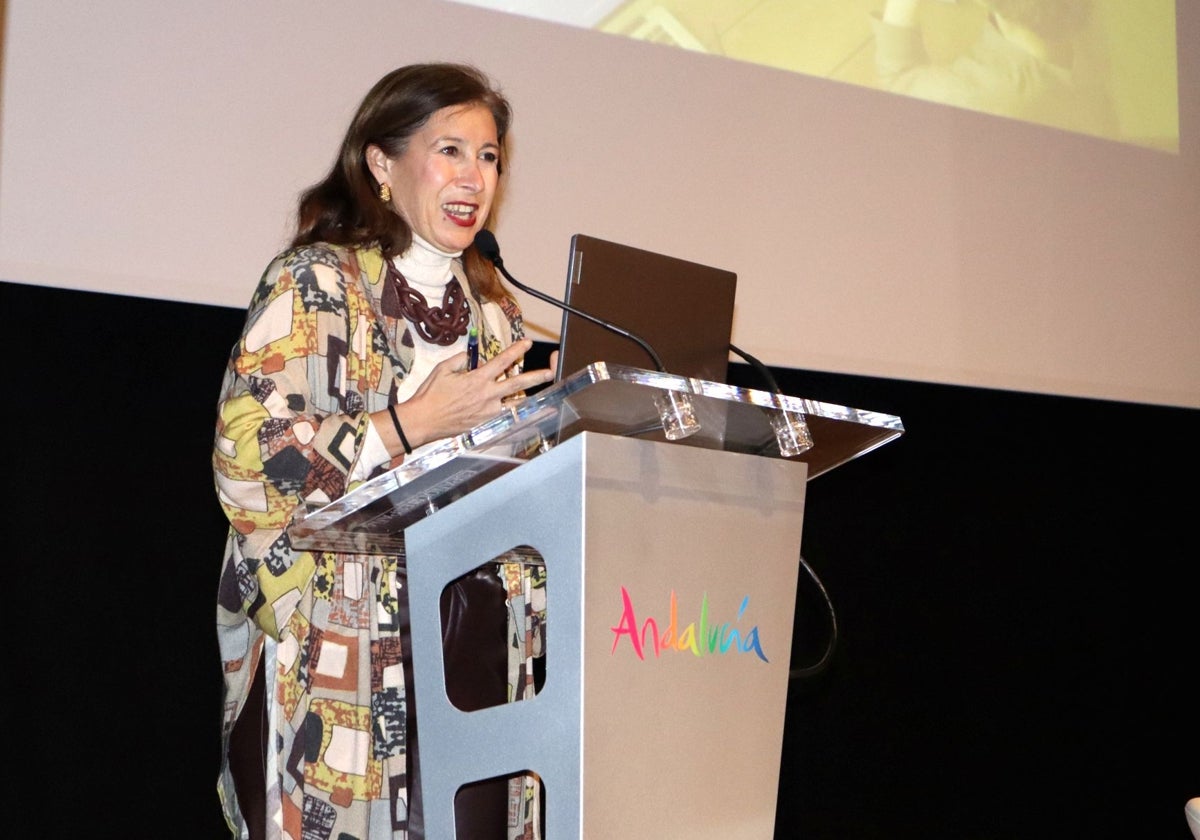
x=821, y=664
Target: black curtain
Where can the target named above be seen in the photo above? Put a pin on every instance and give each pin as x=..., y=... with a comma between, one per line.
x=1014, y=583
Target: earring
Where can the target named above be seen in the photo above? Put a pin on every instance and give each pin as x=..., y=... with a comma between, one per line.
x=385, y=193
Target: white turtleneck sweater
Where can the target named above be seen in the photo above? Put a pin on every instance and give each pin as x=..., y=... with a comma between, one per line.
x=428, y=271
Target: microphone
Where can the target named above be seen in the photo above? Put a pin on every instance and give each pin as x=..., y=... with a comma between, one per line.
x=486, y=244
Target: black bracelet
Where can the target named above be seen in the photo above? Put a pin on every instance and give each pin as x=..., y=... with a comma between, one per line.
x=399, y=430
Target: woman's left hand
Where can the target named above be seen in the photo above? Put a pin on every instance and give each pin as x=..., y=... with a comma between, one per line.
x=453, y=399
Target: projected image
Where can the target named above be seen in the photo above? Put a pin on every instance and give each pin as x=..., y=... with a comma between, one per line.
x=1105, y=68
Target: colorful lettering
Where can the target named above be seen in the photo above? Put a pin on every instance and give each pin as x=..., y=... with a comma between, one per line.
x=699, y=638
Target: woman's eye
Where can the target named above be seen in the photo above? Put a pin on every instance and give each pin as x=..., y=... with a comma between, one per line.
x=449, y=150
x=490, y=157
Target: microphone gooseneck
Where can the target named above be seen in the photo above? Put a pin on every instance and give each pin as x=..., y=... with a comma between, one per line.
x=761, y=369
x=489, y=248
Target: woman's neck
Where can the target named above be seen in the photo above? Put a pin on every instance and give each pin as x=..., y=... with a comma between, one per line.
x=423, y=263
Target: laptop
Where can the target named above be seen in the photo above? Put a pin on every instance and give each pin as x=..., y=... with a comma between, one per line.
x=682, y=309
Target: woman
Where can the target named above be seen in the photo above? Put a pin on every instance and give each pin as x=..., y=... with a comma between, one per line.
x=352, y=359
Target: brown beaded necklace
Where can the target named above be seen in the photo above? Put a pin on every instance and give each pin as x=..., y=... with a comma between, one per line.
x=442, y=325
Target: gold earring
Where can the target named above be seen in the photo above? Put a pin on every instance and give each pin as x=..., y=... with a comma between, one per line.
x=385, y=193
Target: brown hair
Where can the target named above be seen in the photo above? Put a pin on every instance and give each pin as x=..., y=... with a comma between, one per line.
x=344, y=207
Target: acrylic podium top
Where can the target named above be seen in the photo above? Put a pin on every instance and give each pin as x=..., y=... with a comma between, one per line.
x=603, y=398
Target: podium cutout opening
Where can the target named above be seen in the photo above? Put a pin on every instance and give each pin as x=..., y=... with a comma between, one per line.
x=485, y=810
x=492, y=626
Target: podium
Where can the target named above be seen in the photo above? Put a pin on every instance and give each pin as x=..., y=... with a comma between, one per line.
x=671, y=570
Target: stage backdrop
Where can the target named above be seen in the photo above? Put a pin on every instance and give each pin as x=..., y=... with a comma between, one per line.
x=157, y=149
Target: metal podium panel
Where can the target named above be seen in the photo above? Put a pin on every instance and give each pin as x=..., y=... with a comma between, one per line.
x=690, y=570
x=671, y=578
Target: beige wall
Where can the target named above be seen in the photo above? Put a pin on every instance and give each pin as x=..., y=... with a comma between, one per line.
x=156, y=150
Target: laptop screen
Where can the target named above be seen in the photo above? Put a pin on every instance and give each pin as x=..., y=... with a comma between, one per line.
x=682, y=309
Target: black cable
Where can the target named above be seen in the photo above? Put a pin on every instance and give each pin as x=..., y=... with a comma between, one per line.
x=821, y=664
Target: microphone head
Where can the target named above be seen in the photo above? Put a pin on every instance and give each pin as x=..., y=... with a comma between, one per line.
x=486, y=244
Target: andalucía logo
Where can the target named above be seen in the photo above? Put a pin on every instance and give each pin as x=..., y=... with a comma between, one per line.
x=703, y=637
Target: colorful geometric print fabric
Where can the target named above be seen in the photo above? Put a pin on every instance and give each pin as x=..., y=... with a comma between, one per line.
x=323, y=346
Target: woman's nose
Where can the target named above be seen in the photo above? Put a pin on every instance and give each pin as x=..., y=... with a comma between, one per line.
x=470, y=174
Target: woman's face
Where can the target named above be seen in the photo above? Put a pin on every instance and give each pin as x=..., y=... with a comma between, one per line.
x=444, y=182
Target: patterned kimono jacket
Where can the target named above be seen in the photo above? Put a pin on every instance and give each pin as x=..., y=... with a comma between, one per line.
x=324, y=344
